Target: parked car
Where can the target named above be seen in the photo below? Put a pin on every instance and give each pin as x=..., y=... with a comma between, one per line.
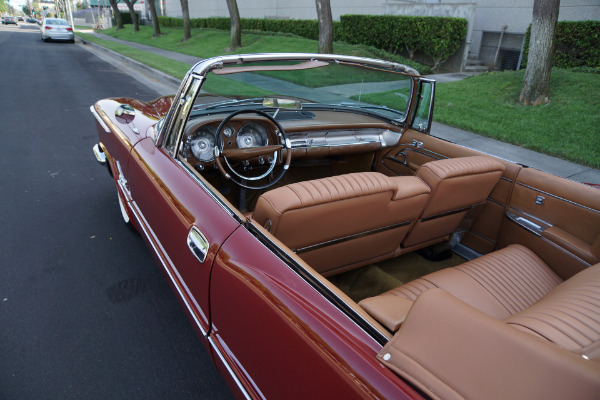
x=325, y=245
x=56, y=29
x=9, y=21
x=32, y=20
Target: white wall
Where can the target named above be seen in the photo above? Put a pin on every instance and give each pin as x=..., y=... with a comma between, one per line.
x=289, y=9
x=483, y=15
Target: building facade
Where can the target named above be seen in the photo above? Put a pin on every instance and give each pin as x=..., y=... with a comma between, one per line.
x=496, y=28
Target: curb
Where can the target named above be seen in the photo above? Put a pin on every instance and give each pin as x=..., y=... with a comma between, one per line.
x=165, y=78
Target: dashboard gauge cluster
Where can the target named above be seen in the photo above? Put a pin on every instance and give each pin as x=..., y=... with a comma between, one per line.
x=228, y=131
x=201, y=143
x=252, y=135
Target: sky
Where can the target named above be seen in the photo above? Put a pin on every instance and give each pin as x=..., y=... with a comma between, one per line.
x=18, y=4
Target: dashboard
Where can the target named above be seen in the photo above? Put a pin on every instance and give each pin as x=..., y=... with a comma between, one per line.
x=200, y=138
x=319, y=137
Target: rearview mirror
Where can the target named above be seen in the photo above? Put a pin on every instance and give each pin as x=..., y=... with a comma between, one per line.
x=274, y=102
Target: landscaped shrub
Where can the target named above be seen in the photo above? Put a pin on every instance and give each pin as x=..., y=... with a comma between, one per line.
x=436, y=37
x=126, y=17
x=576, y=45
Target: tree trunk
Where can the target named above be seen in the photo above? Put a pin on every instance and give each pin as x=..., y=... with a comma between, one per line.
x=236, y=26
x=185, y=13
x=536, y=85
x=154, y=16
x=115, y=8
x=134, y=21
x=325, y=26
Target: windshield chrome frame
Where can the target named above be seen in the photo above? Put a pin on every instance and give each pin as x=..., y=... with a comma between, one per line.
x=204, y=66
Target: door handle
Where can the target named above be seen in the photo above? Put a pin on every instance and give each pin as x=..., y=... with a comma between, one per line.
x=198, y=244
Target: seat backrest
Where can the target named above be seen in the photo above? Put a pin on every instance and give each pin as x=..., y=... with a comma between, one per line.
x=457, y=185
x=569, y=315
x=342, y=222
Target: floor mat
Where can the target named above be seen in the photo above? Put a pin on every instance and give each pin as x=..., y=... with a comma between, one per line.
x=377, y=278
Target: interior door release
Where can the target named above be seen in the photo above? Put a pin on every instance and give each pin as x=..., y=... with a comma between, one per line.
x=539, y=200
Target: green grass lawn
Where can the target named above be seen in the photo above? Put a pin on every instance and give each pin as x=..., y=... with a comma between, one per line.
x=568, y=127
x=206, y=43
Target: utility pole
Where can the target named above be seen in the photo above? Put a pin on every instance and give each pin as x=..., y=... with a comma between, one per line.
x=69, y=12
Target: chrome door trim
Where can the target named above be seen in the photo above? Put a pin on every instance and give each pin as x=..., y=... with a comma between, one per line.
x=236, y=379
x=184, y=292
x=558, y=197
x=350, y=237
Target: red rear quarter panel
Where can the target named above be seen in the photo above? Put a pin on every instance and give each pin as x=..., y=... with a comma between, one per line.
x=286, y=339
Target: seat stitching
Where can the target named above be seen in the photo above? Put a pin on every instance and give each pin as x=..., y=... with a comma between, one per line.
x=552, y=322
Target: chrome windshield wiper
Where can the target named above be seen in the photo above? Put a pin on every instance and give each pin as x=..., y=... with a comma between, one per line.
x=367, y=107
x=374, y=107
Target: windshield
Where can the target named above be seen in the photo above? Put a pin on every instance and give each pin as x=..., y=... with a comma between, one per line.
x=346, y=86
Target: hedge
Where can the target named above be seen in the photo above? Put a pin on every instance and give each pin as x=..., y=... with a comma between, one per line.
x=126, y=18
x=436, y=37
x=576, y=45
x=304, y=28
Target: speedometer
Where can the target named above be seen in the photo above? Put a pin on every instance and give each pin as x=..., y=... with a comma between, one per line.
x=202, y=144
x=252, y=135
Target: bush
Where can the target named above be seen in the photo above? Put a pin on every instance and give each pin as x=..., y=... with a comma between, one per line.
x=436, y=37
x=576, y=45
x=126, y=17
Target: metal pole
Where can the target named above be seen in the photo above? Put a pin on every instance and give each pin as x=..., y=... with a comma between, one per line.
x=70, y=12
x=499, y=44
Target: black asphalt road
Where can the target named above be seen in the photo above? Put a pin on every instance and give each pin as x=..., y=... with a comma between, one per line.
x=85, y=312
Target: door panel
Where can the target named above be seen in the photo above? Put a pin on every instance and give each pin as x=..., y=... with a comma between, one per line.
x=415, y=149
x=557, y=218
x=185, y=225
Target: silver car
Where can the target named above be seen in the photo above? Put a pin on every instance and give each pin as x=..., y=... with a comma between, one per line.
x=57, y=29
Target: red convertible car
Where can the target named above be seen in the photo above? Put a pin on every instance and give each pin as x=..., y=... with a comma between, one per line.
x=325, y=245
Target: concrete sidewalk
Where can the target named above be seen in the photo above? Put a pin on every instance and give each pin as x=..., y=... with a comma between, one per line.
x=165, y=84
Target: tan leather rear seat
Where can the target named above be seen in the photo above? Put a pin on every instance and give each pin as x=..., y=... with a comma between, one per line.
x=502, y=326
x=345, y=221
x=513, y=285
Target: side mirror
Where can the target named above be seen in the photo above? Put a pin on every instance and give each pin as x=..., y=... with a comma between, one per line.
x=125, y=113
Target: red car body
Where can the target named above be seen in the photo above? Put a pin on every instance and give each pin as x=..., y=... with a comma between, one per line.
x=271, y=333
x=274, y=327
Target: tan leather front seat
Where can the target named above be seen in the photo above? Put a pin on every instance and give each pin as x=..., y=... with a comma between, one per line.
x=457, y=185
x=345, y=221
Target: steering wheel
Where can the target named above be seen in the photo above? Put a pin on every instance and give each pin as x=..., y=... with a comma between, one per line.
x=243, y=155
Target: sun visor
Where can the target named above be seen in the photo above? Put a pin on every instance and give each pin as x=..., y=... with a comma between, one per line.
x=293, y=67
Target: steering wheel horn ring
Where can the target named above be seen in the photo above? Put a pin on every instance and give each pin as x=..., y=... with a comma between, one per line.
x=244, y=154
